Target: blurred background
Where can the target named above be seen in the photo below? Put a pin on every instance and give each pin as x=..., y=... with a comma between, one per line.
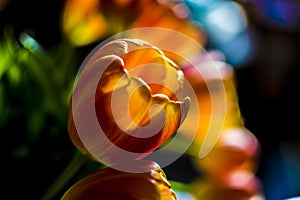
x=260, y=39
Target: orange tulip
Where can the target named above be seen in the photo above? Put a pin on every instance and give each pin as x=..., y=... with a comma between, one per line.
x=235, y=146
x=229, y=164
x=236, y=150
x=112, y=184
x=86, y=21
x=241, y=186
x=82, y=22
x=213, y=81
x=135, y=100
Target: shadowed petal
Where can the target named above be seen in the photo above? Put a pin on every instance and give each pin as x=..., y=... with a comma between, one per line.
x=111, y=184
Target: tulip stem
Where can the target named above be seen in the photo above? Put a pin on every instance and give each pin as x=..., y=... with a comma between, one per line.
x=75, y=164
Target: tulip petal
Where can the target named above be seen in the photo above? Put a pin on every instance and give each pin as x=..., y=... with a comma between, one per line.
x=155, y=68
x=82, y=94
x=175, y=114
x=116, y=47
x=166, y=117
x=108, y=183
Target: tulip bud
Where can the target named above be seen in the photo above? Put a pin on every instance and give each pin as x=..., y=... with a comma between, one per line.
x=236, y=149
x=131, y=90
x=228, y=108
x=241, y=185
x=108, y=183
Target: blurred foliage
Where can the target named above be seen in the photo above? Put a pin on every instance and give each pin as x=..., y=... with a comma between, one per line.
x=34, y=83
x=35, y=88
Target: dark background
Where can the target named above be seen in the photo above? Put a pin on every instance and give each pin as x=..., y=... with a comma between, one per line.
x=268, y=90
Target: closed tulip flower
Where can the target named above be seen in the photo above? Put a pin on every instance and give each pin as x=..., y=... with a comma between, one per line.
x=111, y=184
x=227, y=109
x=229, y=167
x=135, y=100
x=213, y=81
x=241, y=185
x=236, y=150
